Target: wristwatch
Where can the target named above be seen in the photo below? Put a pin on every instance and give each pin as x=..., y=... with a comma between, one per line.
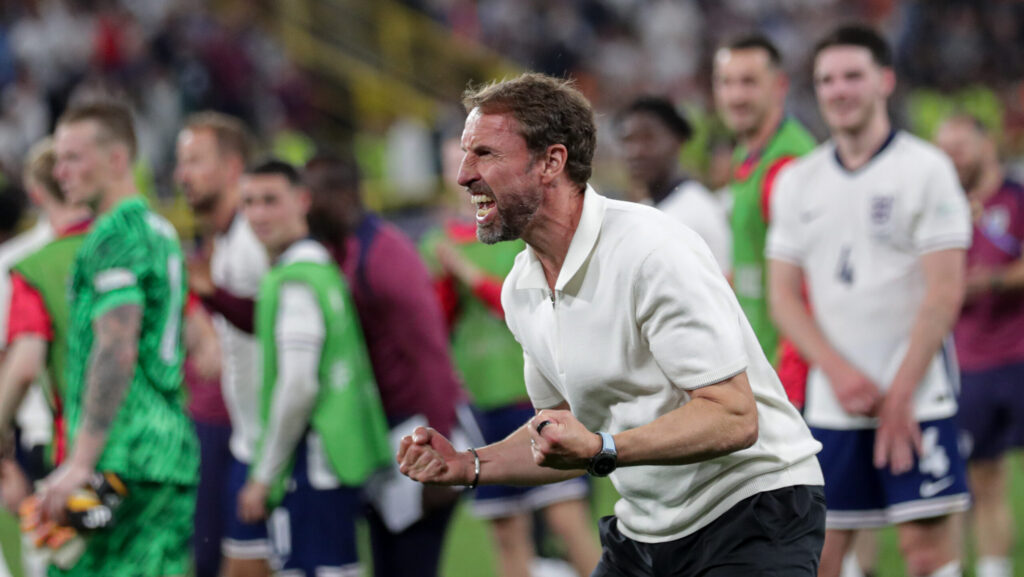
x=603, y=463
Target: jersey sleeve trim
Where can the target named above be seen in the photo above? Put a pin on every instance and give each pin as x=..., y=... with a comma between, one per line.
x=546, y=402
x=714, y=376
x=944, y=242
x=791, y=256
x=114, y=279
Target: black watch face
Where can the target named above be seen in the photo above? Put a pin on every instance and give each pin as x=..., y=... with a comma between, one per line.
x=603, y=465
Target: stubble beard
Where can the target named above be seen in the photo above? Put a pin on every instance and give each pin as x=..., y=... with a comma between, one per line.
x=206, y=204
x=512, y=218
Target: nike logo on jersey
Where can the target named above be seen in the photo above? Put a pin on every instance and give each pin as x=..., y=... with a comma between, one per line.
x=932, y=488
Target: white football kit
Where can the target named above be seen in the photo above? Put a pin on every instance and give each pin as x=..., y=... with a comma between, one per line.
x=859, y=236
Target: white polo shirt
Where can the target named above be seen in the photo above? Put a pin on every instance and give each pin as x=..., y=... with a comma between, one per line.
x=640, y=316
x=859, y=237
x=693, y=205
x=238, y=264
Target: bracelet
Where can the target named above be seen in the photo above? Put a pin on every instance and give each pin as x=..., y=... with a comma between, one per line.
x=476, y=469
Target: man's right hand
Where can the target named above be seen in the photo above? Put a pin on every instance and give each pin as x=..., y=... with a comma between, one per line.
x=857, y=394
x=426, y=456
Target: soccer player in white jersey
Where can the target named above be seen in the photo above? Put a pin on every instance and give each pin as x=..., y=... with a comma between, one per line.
x=876, y=223
x=212, y=152
x=652, y=134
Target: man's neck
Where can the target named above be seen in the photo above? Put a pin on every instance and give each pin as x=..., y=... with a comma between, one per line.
x=296, y=236
x=349, y=226
x=114, y=194
x=857, y=148
x=660, y=189
x=759, y=139
x=218, y=220
x=63, y=217
x=553, y=228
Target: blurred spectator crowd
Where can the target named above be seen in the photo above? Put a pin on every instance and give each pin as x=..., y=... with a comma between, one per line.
x=166, y=57
x=951, y=54
x=171, y=57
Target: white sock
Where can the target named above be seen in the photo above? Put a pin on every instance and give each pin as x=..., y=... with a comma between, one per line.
x=851, y=567
x=994, y=567
x=951, y=569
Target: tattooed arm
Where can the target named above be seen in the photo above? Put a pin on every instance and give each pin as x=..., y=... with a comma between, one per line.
x=111, y=367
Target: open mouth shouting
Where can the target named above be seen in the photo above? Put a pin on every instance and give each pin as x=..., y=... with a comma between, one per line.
x=485, y=208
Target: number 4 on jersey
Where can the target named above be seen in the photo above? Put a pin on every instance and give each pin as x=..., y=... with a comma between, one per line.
x=845, y=269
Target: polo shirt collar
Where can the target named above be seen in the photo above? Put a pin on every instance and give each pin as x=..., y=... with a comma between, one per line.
x=584, y=239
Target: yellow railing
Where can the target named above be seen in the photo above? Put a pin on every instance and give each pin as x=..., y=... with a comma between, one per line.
x=388, y=58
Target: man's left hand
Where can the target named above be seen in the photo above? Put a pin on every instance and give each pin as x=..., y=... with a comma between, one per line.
x=563, y=443
x=898, y=437
x=58, y=487
x=252, y=502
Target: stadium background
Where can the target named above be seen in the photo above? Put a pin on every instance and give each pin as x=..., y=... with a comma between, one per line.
x=383, y=78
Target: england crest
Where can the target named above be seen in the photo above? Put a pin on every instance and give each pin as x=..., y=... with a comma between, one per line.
x=881, y=209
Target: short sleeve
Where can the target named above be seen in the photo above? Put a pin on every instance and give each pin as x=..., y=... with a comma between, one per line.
x=543, y=394
x=783, y=241
x=944, y=221
x=116, y=265
x=688, y=316
x=27, y=314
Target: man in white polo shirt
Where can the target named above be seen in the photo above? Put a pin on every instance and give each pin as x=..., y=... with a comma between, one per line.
x=875, y=222
x=638, y=358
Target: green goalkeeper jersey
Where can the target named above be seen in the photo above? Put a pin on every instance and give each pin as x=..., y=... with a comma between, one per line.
x=132, y=256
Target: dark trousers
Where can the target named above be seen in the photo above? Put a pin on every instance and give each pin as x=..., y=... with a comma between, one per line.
x=415, y=552
x=214, y=463
x=772, y=534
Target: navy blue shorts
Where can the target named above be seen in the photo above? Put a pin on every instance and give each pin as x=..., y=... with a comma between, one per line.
x=242, y=540
x=497, y=501
x=313, y=532
x=991, y=414
x=860, y=496
x=210, y=521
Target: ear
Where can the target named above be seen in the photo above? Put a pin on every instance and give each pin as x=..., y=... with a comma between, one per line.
x=888, y=81
x=35, y=193
x=782, y=84
x=121, y=158
x=304, y=197
x=236, y=167
x=553, y=162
